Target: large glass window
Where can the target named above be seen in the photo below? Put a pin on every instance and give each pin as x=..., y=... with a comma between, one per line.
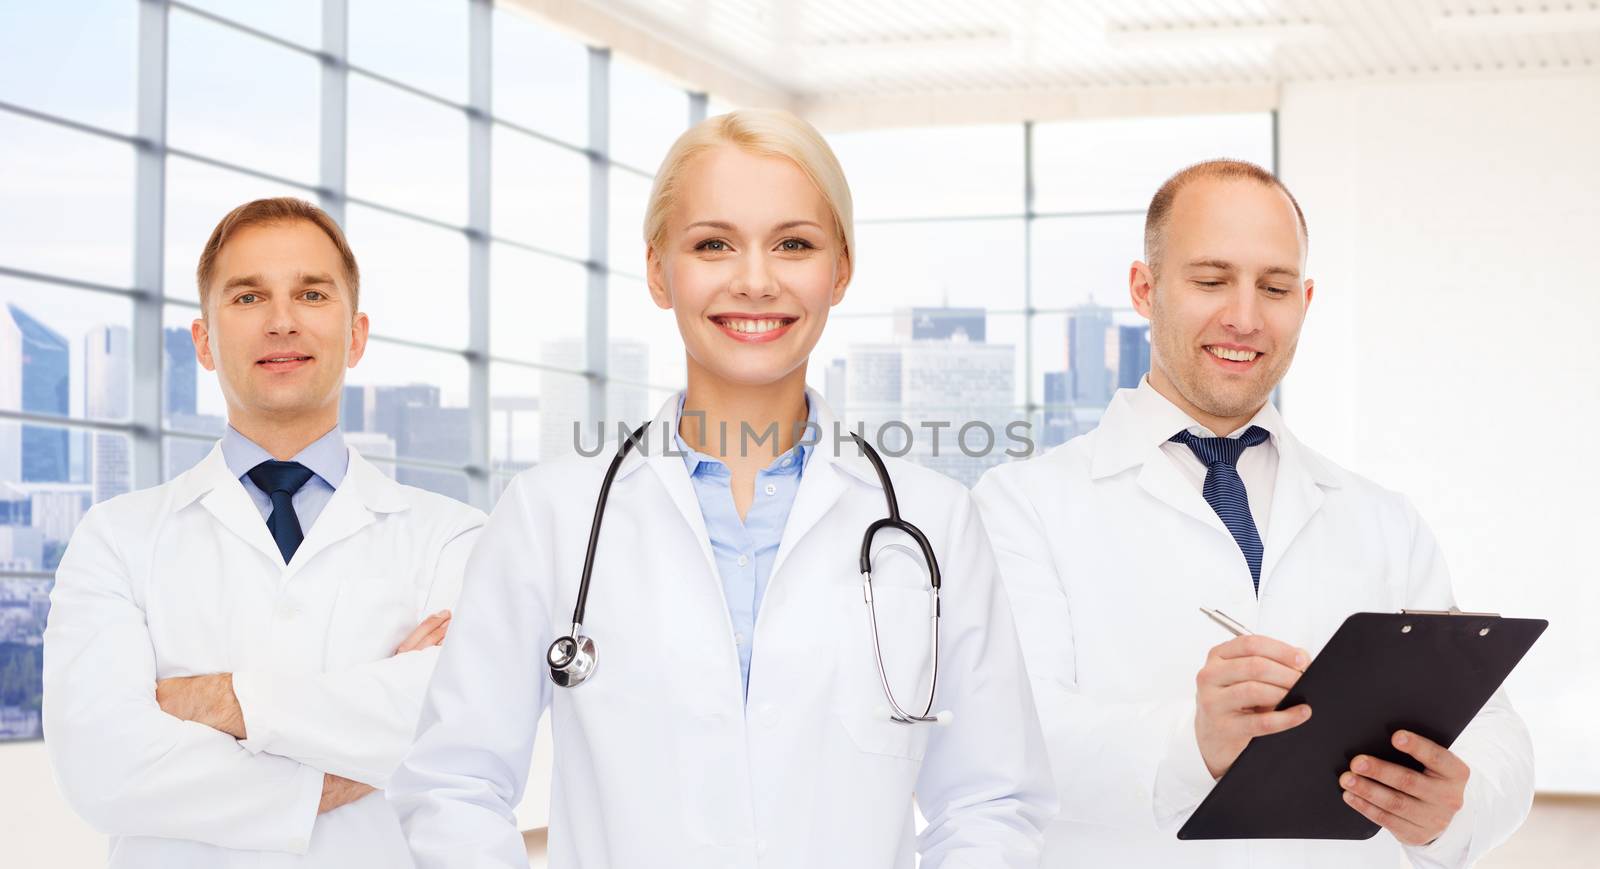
x=629, y=194
x=540, y=304
x=541, y=193
x=647, y=114
x=636, y=320
x=51, y=62
x=237, y=97
x=969, y=301
x=953, y=263
x=198, y=195
x=64, y=352
x=938, y=172
x=413, y=277
x=422, y=43
x=65, y=202
x=541, y=78
x=191, y=401
x=407, y=152
x=411, y=403
x=298, y=21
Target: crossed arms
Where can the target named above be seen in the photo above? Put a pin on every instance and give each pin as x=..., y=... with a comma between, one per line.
x=235, y=760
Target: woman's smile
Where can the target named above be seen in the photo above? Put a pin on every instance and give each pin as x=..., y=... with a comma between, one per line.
x=754, y=328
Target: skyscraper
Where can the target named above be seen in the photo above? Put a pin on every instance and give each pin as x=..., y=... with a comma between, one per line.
x=433, y=433
x=835, y=390
x=928, y=390
x=388, y=410
x=34, y=371
x=564, y=397
x=408, y=421
x=180, y=372
x=428, y=431
x=106, y=354
x=1133, y=354
x=628, y=368
x=943, y=324
x=353, y=409
x=564, y=400
x=1090, y=377
x=951, y=387
x=1058, y=428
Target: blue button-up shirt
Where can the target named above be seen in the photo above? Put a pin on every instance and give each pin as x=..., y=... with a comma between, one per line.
x=326, y=457
x=745, y=550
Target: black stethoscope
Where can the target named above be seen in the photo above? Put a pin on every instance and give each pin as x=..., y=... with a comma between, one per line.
x=572, y=658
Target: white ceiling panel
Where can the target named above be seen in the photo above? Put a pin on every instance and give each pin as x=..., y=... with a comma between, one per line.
x=821, y=50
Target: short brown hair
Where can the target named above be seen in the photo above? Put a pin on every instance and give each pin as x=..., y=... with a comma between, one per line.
x=280, y=209
x=1155, y=219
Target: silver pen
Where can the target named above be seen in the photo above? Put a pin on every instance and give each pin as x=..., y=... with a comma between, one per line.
x=1226, y=621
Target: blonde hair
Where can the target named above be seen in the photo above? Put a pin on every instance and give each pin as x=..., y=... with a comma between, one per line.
x=769, y=132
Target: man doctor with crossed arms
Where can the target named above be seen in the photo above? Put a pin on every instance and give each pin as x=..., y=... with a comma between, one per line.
x=235, y=660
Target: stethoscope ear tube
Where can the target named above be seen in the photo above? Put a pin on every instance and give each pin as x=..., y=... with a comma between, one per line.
x=599, y=515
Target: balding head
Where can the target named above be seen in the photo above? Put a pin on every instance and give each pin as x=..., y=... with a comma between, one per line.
x=1158, y=215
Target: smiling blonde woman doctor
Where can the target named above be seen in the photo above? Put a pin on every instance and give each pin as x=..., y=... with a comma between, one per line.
x=735, y=714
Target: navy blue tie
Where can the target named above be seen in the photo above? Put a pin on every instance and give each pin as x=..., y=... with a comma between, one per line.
x=280, y=480
x=1224, y=490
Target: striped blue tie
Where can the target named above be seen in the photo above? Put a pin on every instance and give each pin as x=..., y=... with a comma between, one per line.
x=1224, y=490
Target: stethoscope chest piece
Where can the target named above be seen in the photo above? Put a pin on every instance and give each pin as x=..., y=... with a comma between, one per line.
x=571, y=659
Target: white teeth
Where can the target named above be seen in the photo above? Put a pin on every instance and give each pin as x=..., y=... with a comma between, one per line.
x=1233, y=355
x=750, y=326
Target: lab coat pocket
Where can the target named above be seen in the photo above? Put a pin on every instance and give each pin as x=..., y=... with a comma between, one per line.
x=371, y=616
x=905, y=640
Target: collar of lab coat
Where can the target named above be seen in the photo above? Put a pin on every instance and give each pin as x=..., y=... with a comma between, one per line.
x=831, y=468
x=365, y=491
x=1135, y=426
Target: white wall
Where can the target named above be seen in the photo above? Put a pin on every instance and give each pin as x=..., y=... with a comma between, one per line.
x=1453, y=348
x=36, y=827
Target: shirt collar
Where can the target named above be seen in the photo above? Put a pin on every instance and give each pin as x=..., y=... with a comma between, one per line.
x=326, y=456
x=695, y=461
x=1160, y=419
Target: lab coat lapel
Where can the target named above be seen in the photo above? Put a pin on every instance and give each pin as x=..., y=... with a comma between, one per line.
x=1126, y=438
x=224, y=497
x=665, y=460
x=820, y=488
x=823, y=481
x=1296, y=496
x=365, y=492
x=1162, y=479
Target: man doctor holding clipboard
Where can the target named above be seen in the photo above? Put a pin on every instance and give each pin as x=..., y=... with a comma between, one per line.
x=1193, y=493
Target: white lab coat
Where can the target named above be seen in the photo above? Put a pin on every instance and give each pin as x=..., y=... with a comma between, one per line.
x=659, y=760
x=184, y=579
x=1107, y=552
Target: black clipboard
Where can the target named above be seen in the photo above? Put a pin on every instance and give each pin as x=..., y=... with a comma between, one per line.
x=1426, y=672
